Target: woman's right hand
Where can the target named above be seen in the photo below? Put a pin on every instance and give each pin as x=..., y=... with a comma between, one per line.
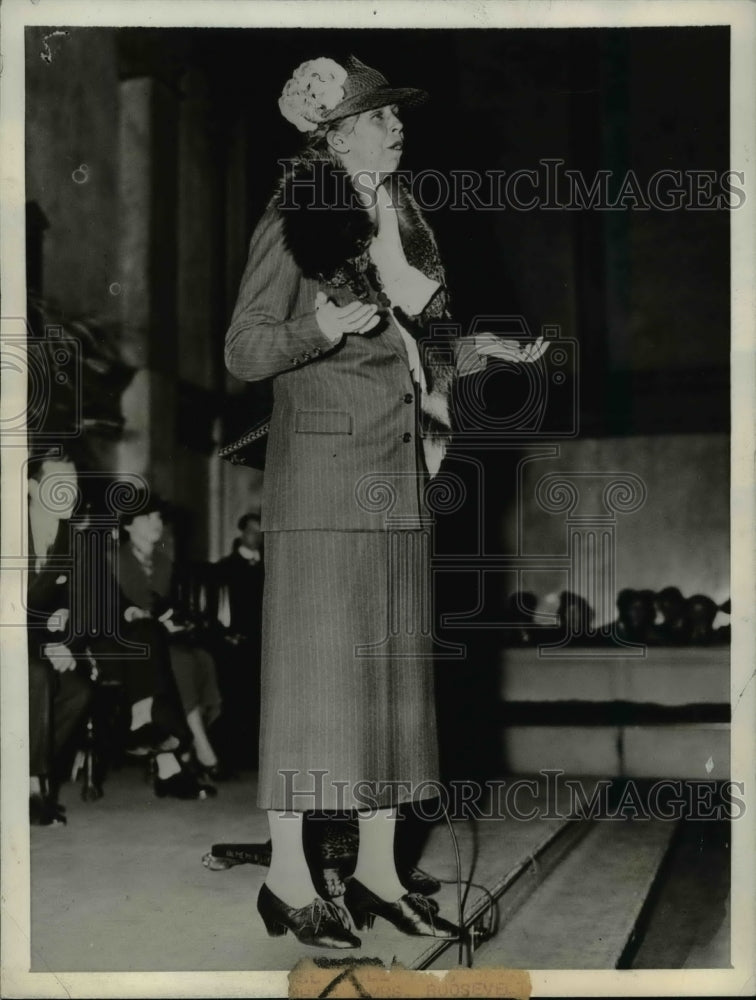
x=334, y=321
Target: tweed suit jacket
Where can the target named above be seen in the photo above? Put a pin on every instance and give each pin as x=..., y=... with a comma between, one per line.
x=343, y=452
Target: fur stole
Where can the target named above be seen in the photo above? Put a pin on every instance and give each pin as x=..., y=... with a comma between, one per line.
x=328, y=232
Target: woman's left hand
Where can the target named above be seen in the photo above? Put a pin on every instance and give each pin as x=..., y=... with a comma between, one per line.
x=491, y=345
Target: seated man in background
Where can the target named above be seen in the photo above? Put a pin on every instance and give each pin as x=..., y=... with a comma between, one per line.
x=58, y=692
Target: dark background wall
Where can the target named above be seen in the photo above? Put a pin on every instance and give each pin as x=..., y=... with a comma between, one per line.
x=180, y=133
x=72, y=164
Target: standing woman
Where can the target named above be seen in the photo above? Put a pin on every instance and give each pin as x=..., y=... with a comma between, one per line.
x=342, y=282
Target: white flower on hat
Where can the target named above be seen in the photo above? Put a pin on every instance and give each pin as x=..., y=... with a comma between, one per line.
x=315, y=88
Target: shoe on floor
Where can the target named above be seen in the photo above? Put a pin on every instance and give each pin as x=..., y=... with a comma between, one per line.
x=412, y=913
x=183, y=786
x=44, y=812
x=416, y=880
x=320, y=923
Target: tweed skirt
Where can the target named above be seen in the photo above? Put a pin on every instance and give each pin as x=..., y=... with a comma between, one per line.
x=347, y=699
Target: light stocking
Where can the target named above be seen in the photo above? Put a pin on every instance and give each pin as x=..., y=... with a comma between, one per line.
x=376, y=868
x=205, y=753
x=289, y=875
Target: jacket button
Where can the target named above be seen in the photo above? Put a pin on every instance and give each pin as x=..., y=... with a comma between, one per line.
x=406, y=436
x=408, y=398
x=306, y=356
x=294, y=361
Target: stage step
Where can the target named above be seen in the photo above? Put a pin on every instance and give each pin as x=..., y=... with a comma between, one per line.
x=586, y=913
x=507, y=862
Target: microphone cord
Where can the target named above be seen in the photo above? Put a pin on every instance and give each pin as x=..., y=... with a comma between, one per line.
x=493, y=918
x=458, y=863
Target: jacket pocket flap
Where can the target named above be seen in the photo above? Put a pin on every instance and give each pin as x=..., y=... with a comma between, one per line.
x=323, y=422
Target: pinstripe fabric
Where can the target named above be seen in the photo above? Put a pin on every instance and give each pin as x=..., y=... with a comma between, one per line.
x=341, y=412
x=358, y=718
x=311, y=478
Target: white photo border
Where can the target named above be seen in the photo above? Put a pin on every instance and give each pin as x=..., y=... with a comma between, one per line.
x=15, y=15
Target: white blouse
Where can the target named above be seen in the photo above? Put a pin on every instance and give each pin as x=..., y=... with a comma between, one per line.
x=408, y=289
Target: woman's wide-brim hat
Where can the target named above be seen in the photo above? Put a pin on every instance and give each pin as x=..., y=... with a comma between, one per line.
x=323, y=91
x=366, y=88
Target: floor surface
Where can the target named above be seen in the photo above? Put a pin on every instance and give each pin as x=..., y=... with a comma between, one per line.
x=122, y=888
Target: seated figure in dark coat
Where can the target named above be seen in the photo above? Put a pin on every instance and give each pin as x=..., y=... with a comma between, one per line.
x=147, y=586
x=59, y=687
x=159, y=725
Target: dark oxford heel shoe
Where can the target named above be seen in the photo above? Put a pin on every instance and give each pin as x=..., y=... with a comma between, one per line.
x=412, y=913
x=321, y=923
x=416, y=880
